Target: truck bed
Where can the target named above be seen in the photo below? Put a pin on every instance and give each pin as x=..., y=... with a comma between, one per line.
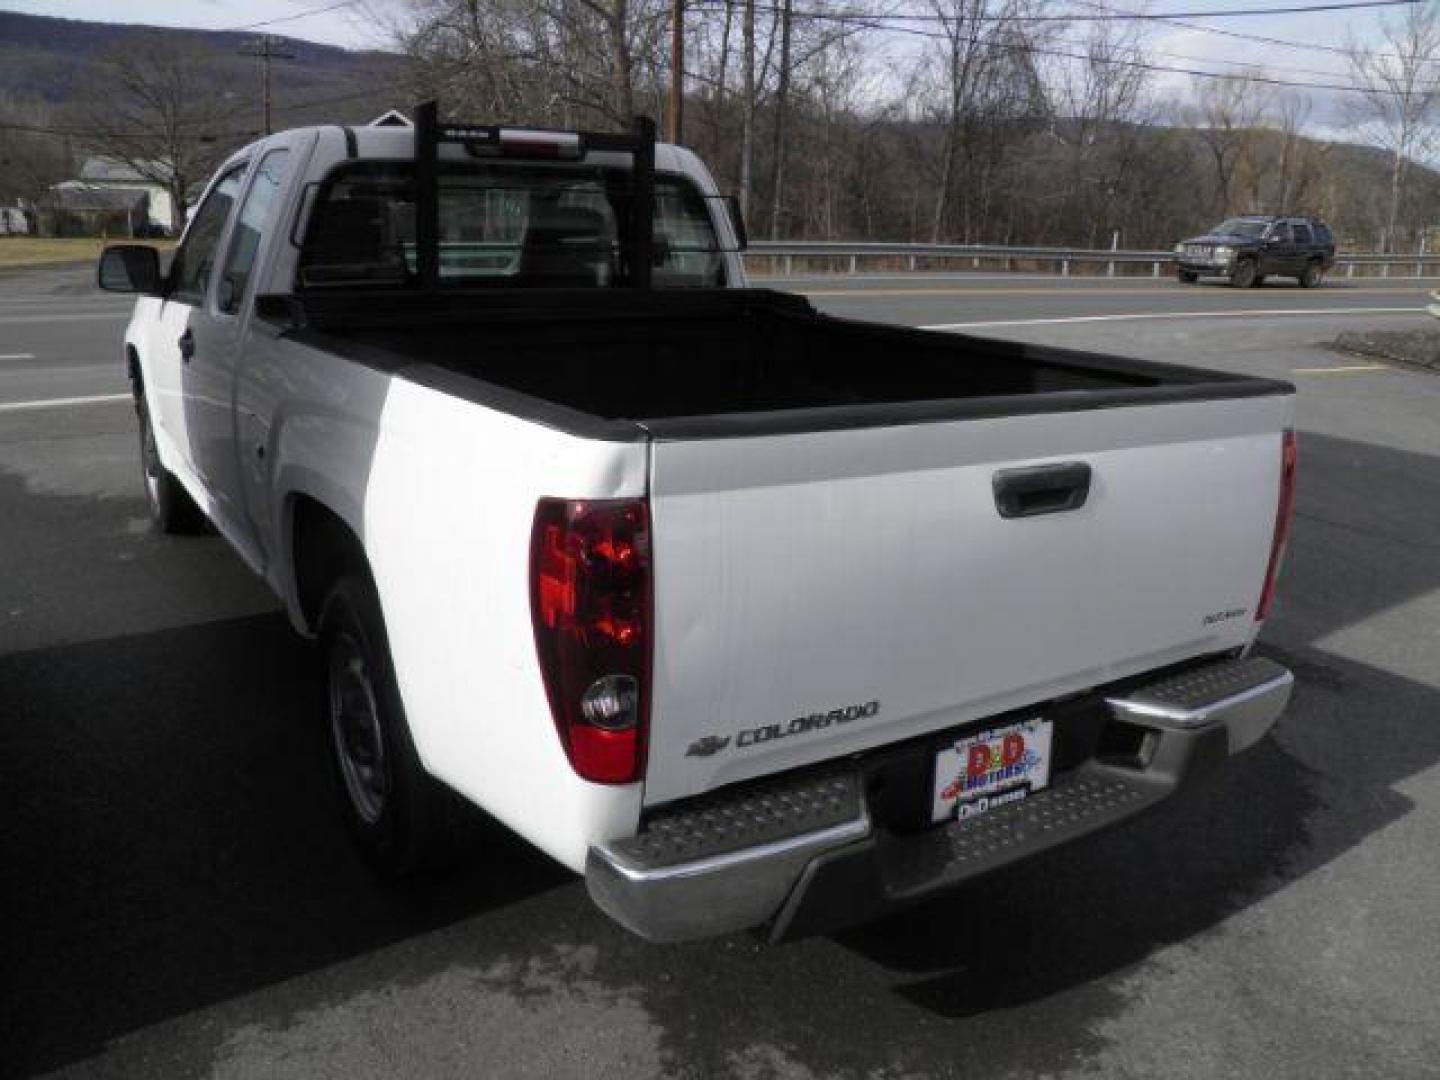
x=707, y=363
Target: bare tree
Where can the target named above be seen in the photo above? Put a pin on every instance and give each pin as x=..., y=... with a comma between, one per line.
x=614, y=16
x=978, y=84
x=782, y=106
x=152, y=105
x=1396, y=107
x=568, y=62
x=961, y=56
x=1100, y=99
x=1291, y=111
x=1227, y=115
x=747, y=103
x=32, y=158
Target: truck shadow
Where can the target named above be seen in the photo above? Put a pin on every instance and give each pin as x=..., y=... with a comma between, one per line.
x=172, y=837
x=1080, y=915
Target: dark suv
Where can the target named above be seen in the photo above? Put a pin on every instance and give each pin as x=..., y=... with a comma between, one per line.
x=1249, y=249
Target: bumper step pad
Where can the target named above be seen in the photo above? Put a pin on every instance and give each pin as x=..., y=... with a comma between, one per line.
x=1197, y=690
x=730, y=822
x=1073, y=805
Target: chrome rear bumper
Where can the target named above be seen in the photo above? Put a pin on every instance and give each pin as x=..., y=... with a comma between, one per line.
x=804, y=855
x=1245, y=696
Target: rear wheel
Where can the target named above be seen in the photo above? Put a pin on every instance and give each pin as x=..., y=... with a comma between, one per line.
x=404, y=820
x=1313, y=274
x=1259, y=280
x=1187, y=277
x=1244, y=275
x=172, y=510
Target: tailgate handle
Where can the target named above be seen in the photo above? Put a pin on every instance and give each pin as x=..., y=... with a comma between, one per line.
x=1042, y=489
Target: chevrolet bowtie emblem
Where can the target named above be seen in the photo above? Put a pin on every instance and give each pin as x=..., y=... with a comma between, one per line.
x=710, y=744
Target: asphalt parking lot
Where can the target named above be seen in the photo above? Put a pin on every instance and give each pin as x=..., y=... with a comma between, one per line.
x=178, y=896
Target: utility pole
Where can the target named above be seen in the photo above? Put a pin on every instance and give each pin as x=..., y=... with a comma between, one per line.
x=675, y=115
x=265, y=49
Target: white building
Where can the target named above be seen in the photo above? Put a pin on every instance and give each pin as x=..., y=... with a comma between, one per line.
x=104, y=173
x=13, y=221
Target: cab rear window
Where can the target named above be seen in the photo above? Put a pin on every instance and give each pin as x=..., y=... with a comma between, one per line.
x=504, y=225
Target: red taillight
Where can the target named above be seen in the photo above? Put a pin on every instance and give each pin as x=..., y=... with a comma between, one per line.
x=1283, y=515
x=590, y=604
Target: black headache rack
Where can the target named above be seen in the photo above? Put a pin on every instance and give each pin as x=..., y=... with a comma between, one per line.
x=482, y=140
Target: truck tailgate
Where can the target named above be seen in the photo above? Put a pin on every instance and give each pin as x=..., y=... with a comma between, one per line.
x=822, y=593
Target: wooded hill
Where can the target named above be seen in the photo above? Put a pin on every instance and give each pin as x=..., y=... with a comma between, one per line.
x=54, y=62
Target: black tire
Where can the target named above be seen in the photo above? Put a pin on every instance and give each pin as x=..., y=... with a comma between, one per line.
x=1259, y=280
x=1187, y=277
x=403, y=819
x=172, y=511
x=1244, y=275
x=1313, y=274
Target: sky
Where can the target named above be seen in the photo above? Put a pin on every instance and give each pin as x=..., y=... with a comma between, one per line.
x=360, y=24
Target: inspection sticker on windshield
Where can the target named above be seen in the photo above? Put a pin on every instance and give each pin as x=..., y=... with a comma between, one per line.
x=991, y=769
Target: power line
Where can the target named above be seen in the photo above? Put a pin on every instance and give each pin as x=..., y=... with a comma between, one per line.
x=884, y=23
x=1218, y=76
x=1104, y=15
x=287, y=18
x=1261, y=39
x=1259, y=65
x=877, y=21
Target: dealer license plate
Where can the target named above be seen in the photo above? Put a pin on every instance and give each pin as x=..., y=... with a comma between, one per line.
x=991, y=769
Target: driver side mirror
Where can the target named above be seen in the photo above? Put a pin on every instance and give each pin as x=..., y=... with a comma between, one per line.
x=130, y=268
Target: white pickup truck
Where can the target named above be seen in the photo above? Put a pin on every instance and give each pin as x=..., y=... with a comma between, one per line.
x=753, y=616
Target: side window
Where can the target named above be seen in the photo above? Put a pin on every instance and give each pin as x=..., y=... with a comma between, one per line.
x=249, y=226
x=1302, y=233
x=1280, y=231
x=688, y=251
x=190, y=272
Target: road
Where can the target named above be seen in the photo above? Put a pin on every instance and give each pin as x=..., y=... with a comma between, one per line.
x=179, y=897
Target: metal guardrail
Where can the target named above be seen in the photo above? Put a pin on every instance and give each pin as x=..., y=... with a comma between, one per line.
x=784, y=253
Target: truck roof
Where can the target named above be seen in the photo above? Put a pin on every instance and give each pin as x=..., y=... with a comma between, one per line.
x=399, y=143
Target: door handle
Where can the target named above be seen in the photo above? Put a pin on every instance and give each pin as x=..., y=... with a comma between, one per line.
x=187, y=346
x=1042, y=489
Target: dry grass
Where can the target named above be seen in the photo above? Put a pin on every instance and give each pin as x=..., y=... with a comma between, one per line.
x=38, y=251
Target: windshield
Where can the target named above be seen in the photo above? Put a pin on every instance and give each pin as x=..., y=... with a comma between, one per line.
x=506, y=225
x=1240, y=227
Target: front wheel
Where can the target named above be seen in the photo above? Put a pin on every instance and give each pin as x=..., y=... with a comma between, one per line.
x=172, y=511
x=1314, y=273
x=403, y=818
x=1187, y=277
x=1244, y=275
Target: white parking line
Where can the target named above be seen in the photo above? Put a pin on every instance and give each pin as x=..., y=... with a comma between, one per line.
x=1347, y=369
x=1231, y=314
x=60, y=402
x=60, y=316
x=69, y=298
